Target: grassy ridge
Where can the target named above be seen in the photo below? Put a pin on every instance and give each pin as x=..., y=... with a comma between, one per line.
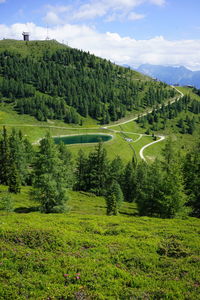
x=87, y=255
x=33, y=48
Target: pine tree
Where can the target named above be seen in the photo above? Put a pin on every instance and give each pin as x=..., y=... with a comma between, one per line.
x=114, y=198
x=18, y=154
x=14, y=181
x=4, y=157
x=66, y=157
x=174, y=198
x=97, y=170
x=146, y=188
x=191, y=173
x=128, y=182
x=81, y=172
x=116, y=169
x=160, y=190
x=49, y=181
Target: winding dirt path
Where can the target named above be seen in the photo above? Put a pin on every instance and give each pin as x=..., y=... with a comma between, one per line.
x=160, y=136
x=150, y=144
x=150, y=110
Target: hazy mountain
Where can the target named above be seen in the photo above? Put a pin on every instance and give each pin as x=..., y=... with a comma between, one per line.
x=172, y=75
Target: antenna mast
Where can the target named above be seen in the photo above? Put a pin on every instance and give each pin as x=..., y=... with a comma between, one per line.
x=47, y=37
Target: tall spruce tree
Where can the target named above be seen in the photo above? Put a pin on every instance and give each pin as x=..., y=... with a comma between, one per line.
x=97, y=170
x=191, y=172
x=174, y=199
x=14, y=181
x=114, y=198
x=81, y=172
x=4, y=157
x=66, y=157
x=160, y=189
x=18, y=154
x=116, y=169
x=49, y=181
x=128, y=182
x=149, y=189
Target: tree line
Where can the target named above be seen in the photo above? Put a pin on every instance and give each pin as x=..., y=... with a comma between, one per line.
x=92, y=86
x=165, y=188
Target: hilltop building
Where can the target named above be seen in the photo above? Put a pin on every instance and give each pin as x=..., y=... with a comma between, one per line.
x=26, y=36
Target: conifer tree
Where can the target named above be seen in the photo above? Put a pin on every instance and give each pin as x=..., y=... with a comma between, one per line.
x=128, y=182
x=18, y=155
x=114, y=198
x=81, y=172
x=97, y=170
x=191, y=173
x=66, y=157
x=116, y=169
x=49, y=180
x=14, y=181
x=4, y=157
x=160, y=189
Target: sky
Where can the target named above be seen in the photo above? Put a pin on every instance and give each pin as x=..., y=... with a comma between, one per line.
x=127, y=32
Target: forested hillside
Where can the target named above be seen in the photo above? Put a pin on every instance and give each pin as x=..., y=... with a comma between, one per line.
x=52, y=81
x=185, y=111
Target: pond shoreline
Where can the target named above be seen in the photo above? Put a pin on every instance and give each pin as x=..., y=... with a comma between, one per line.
x=72, y=135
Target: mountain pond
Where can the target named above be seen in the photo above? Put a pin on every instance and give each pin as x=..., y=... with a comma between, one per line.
x=82, y=139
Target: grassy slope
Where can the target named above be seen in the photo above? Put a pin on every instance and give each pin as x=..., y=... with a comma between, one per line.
x=33, y=48
x=186, y=91
x=123, y=257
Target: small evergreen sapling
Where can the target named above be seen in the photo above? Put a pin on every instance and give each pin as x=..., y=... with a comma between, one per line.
x=6, y=203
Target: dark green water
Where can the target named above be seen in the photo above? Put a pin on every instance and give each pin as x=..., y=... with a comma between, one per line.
x=83, y=139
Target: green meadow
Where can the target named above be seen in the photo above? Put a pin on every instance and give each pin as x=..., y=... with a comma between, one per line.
x=85, y=254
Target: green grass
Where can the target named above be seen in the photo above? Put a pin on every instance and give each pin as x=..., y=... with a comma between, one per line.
x=189, y=91
x=33, y=48
x=121, y=257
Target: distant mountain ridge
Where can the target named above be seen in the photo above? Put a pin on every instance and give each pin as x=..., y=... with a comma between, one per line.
x=171, y=75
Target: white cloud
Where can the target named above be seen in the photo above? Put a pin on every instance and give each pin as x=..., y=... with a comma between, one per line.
x=121, y=50
x=133, y=16
x=107, y=7
x=56, y=14
x=158, y=2
x=58, y=8
x=52, y=18
x=110, y=10
x=2, y=1
x=91, y=11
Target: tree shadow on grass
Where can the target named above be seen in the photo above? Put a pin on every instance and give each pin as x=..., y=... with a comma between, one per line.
x=129, y=213
x=26, y=210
